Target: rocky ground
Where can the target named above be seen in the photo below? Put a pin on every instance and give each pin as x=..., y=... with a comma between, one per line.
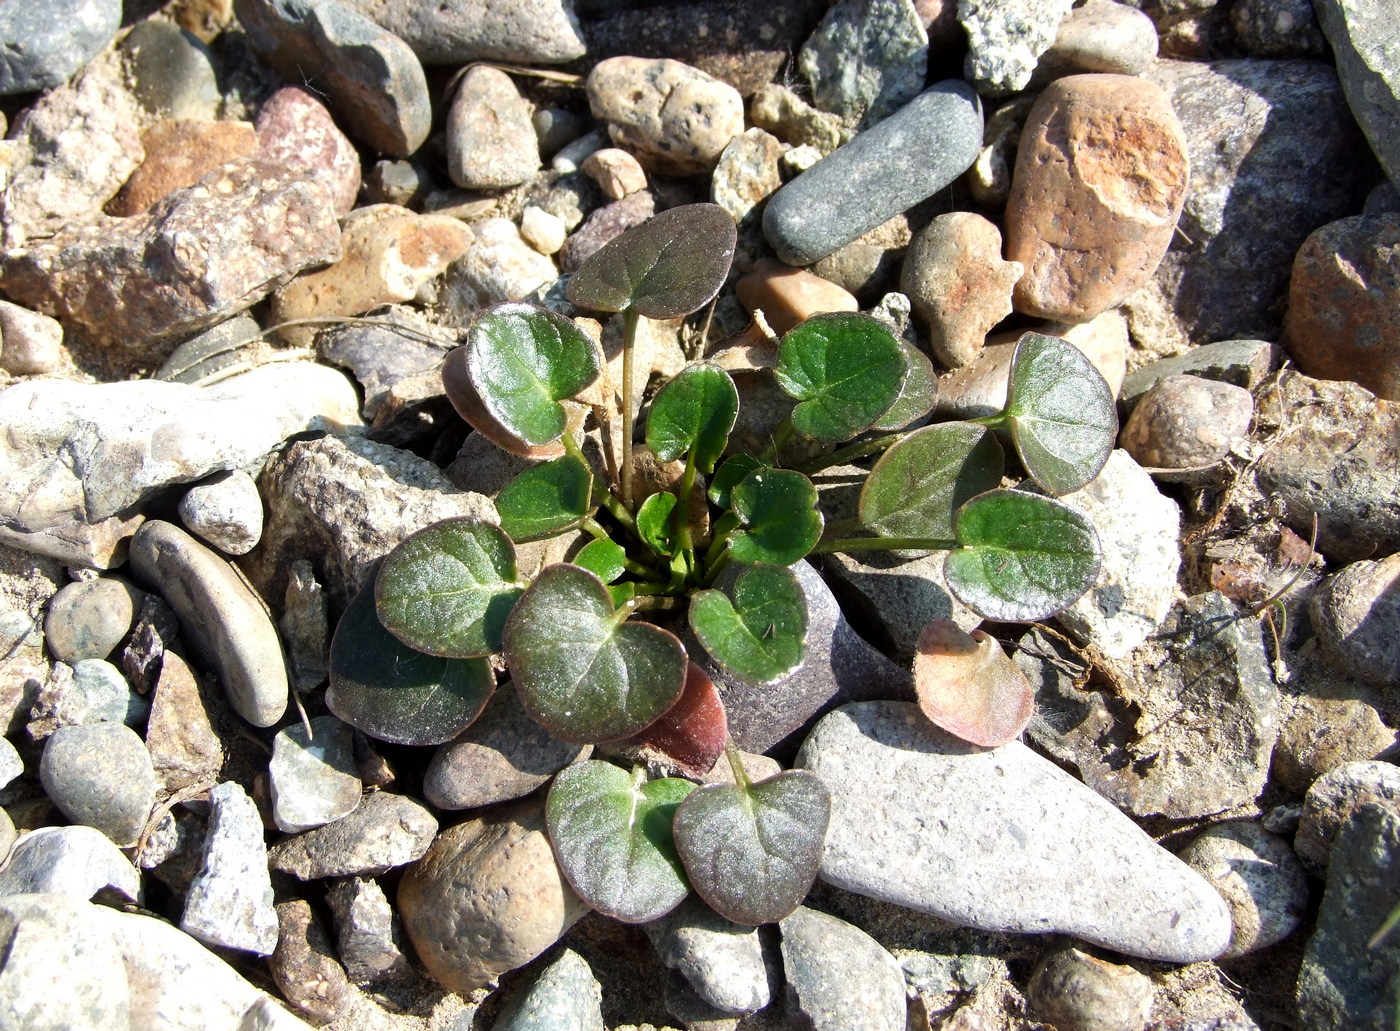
x=206, y=450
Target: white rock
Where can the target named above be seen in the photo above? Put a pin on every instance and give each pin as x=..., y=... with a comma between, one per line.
x=313, y=780
x=225, y=512
x=230, y=901
x=499, y=266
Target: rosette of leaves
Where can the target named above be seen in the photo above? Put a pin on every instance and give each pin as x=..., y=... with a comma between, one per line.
x=591, y=646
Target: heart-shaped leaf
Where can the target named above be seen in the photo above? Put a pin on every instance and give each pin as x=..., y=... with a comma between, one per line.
x=756, y=631
x=545, y=500
x=613, y=839
x=917, y=396
x=448, y=588
x=457, y=385
x=692, y=732
x=968, y=686
x=603, y=558
x=694, y=412
x=1023, y=557
x=919, y=483
x=394, y=693
x=654, y=521
x=731, y=472
x=523, y=360
x=667, y=267
x=778, y=509
x=752, y=852
x=1061, y=413
x=580, y=671
x=844, y=369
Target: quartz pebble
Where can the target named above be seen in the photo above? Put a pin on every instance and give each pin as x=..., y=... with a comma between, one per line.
x=11, y=764
x=179, y=154
x=497, y=266
x=867, y=59
x=491, y=140
x=1006, y=38
x=30, y=343
x=368, y=933
x=564, y=996
x=1335, y=798
x=543, y=230
x=720, y=960
x=616, y=172
x=747, y=173
x=788, y=296
x=1356, y=616
x=225, y=512
x=1075, y=991
x=230, y=901
x=384, y=831
x=313, y=779
x=842, y=979
x=1257, y=875
x=1185, y=422
x=87, y=619
x=296, y=130
x=78, y=862
x=100, y=775
x=45, y=44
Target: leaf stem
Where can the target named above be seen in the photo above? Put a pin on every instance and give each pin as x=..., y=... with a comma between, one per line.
x=826, y=547
x=680, y=516
x=657, y=602
x=781, y=435
x=601, y=494
x=736, y=763
x=630, y=320
x=852, y=452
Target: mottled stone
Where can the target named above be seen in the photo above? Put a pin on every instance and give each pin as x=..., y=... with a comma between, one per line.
x=100, y=775
x=46, y=43
x=30, y=343
x=564, y=996
x=1356, y=615
x=78, y=862
x=1327, y=721
x=224, y=511
x=790, y=118
x=867, y=59
x=842, y=979
x=368, y=934
x=384, y=831
x=788, y=296
x=1259, y=878
x=1365, y=40
x=230, y=900
x=1335, y=799
x=1077, y=992
x=90, y=691
x=313, y=779
x=456, y=32
x=1006, y=38
x=87, y=619
x=1185, y=422
x=491, y=141
x=180, y=735
x=296, y=130
x=304, y=966
x=720, y=960
x=1277, y=28
x=180, y=154
x=1245, y=363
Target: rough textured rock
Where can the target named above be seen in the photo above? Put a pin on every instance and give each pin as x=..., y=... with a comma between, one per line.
x=304, y=964
x=790, y=118
x=78, y=862
x=747, y=172
x=296, y=129
x=230, y=900
x=564, y=996
x=30, y=343
x=100, y=775
x=499, y=266
x=224, y=511
x=842, y=978
x=1278, y=28
x=180, y=733
x=384, y=831
x=46, y=44
x=1335, y=798
x=1356, y=615
x=456, y=32
x=179, y=154
x=313, y=779
x=1185, y=422
x=491, y=140
x=1006, y=39
x=368, y=933
x=1366, y=42
x=866, y=60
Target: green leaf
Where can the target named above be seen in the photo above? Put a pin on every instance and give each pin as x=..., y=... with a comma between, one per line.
x=844, y=369
x=448, y=588
x=756, y=631
x=778, y=508
x=694, y=412
x=753, y=852
x=545, y=500
x=669, y=266
x=919, y=483
x=1023, y=557
x=523, y=360
x=394, y=693
x=654, y=521
x=1061, y=413
x=613, y=839
x=622, y=593
x=917, y=396
x=731, y=471
x=603, y=558
x=582, y=673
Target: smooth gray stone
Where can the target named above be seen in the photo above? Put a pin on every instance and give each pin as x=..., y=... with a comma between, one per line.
x=997, y=838
x=89, y=618
x=106, y=696
x=721, y=961
x=230, y=901
x=172, y=71
x=79, y=862
x=564, y=997
x=844, y=979
x=889, y=168
x=384, y=831
x=46, y=42
x=314, y=780
x=1244, y=363
x=219, y=616
x=100, y=775
x=458, y=32
x=1365, y=37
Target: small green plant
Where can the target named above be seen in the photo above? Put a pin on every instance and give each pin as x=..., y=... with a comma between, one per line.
x=410, y=662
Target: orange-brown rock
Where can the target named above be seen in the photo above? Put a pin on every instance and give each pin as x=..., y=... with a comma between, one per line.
x=1100, y=179
x=179, y=154
x=1343, y=318
x=789, y=295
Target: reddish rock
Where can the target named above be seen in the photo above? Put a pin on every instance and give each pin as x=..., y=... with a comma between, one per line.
x=297, y=130
x=616, y=172
x=179, y=154
x=789, y=295
x=1100, y=180
x=1343, y=318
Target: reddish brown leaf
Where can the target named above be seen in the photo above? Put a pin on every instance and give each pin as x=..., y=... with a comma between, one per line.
x=693, y=731
x=968, y=686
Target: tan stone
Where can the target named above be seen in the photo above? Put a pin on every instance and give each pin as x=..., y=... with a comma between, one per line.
x=179, y=154
x=180, y=736
x=616, y=172
x=789, y=295
x=1100, y=180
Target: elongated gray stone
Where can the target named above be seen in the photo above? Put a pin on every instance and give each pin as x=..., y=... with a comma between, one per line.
x=844, y=979
x=889, y=168
x=999, y=840
x=56, y=970
x=230, y=901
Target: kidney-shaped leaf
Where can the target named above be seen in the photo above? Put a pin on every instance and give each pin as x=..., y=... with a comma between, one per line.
x=457, y=384
x=755, y=632
x=752, y=852
x=694, y=412
x=1061, y=413
x=393, y=693
x=968, y=686
x=844, y=369
x=918, y=394
x=613, y=838
x=692, y=732
x=919, y=483
x=523, y=360
x=1022, y=557
x=545, y=500
x=781, y=521
x=730, y=473
x=448, y=588
x=582, y=673
x=654, y=521
x=668, y=266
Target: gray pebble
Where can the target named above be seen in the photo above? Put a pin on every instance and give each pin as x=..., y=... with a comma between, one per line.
x=45, y=43
x=369, y=939
x=1185, y=422
x=722, y=961
x=1356, y=615
x=172, y=71
x=458, y=32
x=100, y=693
x=79, y=862
x=867, y=59
x=11, y=765
x=885, y=170
x=384, y=831
x=1257, y=875
x=313, y=780
x=554, y=127
x=225, y=512
x=230, y=901
x=564, y=996
x=1077, y=992
x=571, y=156
x=491, y=142
x=89, y=618
x=1245, y=363
x=844, y=980
x=1335, y=798
x=100, y=775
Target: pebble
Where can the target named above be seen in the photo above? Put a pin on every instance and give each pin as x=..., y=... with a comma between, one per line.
x=100, y=775
x=1185, y=422
x=93, y=691
x=405, y=183
x=202, y=254
x=185, y=749
x=44, y=45
x=1343, y=318
x=305, y=627
x=77, y=862
x=958, y=284
x=87, y=619
x=604, y=224
x=867, y=59
x=230, y=901
x=616, y=172
x=487, y=898
x=384, y=831
x=543, y=230
x=491, y=141
x=887, y=169
x=1007, y=857
x=457, y=32
x=720, y=960
x=869, y=265
x=304, y=964
x=1259, y=878
x=1343, y=981
x=555, y=127
x=1278, y=28
x=989, y=179
x=570, y=156
x=564, y=996
x=1361, y=35
x=388, y=254
x=11, y=765
x=746, y=174
x=368, y=933
x=788, y=296
x=370, y=78
x=1328, y=720
x=674, y=118
x=31, y=344
x=219, y=616
x=173, y=72
x=1245, y=363
x=1356, y=616
x=503, y=755
x=497, y=266
x=1101, y=36
x=1075, y=991
x=313, y=780
x=842, y=979
x=224, y=511
x=296, y=130
x=1335, y=798
x=1122, y=202
x=1005, y=40
x=180, y=154
x=779, y=110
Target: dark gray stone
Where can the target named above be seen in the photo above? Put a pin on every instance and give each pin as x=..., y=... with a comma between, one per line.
x=100, y=775
x=1356, y=615
x=1245, y=363
x=885, y=170
x=1277, y=28
x=172, y=71
x=384, y=831
x=1365, y=37
x=564, y=996
x=825, y=959
x=379, y=356
x=47, y=42
x=1335, y=798
x=369, y=939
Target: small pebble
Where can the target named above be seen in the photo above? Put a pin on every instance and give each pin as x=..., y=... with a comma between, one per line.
x=225, y=512
x=1335, y=798
x=747, y=173
x=498, y=266
x=866, y=60
x=824, y=957
x=989, y=179
x=79, y=862
x=94, y=692
x=87, y=619
x=1356, y=615
x=604, y=224
x=173, y=72
x=100, y=775
x=542, y=230
x=1185, y=422
x=296, y=130
x=788, y=296
x=1005, y=39
x=571, y=156
x=230, y=901
x=304, y=964
x=555, y=127
x=305, y=627
x=405, y=183
x=791, y=119
x=1078, y=992
x=720, y=960
x=384, y=831
x=1245, y=363
x=616, y=172
x=180, y=154
x=31, y=344
x=1101, y=36
x=313, y=781
x=460, y=32
x=180, y=735
x=564, y=996
x=368, y=934
x=491, y=141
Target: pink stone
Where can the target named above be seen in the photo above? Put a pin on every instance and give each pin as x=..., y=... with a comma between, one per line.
x=297, y=130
